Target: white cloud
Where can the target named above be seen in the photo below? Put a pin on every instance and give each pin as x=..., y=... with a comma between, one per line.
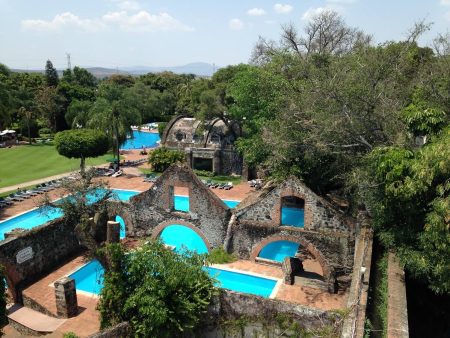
x=256, y=12
x=142, y=21
x=283, y=9
x=312, y=12
x=445, y=2
x=62, y=20
x=235, y=24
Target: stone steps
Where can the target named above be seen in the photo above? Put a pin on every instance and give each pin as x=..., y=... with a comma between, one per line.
x=31, y=322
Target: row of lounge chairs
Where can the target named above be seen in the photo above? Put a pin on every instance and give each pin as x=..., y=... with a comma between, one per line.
x=133, y=163
x=214, y=185
x=22, y=195
x=109, y=172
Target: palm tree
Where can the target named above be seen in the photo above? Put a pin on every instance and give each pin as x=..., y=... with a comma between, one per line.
x=27, y=115
x=113, y=114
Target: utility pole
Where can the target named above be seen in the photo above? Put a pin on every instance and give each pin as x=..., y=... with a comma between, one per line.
x=69, y=65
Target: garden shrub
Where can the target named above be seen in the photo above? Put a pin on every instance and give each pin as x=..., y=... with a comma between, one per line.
x=220, y=256
x=163, y=158
x=205, y=173
x=44, y=131
x=161, y=127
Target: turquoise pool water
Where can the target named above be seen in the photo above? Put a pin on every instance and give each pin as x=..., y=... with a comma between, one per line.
x=181, y=203
x=40, y=216
x=89, y=278
x=278, y=250
x=292, y=216
x=183, y=238
x=141, y=139
x=242, y=282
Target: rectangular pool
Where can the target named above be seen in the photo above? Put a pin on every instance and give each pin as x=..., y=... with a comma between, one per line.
x=89, y=278
x=181, y=203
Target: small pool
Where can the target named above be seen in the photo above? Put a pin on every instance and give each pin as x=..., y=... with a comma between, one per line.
x=293, y=216
x=181, y=203
x=39, y=216
x=141, y=140
x=242, y=282
x=277, y=251
x=183, y=238
x=89, y=278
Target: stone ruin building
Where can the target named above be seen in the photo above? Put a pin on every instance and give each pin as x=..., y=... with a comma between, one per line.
x=340, y=244
x=208, y=146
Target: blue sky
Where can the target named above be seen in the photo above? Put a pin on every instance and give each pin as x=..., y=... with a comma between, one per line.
x=117, y=33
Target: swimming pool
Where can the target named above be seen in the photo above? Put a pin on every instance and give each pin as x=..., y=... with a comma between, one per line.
x=181, y=203
x=278, y=250
x=293, y=216
x=89, y=278
x=183, y=238
x=39, y=216
x=141, y=140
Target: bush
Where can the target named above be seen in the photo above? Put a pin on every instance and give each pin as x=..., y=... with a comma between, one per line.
x=161, y=127
x=160, y=293
x=205, y=173
x=163, y=158
x=220, y=256
x=44, y=131
x=70, y=335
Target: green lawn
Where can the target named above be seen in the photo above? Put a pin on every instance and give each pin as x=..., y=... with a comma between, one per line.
x=31, y=162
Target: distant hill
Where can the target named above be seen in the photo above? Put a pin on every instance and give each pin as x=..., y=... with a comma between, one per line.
x=202, y=69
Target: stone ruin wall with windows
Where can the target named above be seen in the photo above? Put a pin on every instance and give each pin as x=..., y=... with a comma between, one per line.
x=207, y=147
x=327, y=235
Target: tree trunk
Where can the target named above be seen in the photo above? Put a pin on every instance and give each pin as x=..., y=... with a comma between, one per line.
x=29, y=133
x=117, y=149
x=82, y=164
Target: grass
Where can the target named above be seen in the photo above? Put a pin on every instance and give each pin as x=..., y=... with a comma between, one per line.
x=25, y=163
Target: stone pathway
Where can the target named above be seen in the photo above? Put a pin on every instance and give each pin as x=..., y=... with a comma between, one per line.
x=34, y=320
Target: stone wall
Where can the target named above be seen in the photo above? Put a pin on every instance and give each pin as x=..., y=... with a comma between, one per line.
x=230, y=305
x=36, y=252
x=154, y=207
x=319, y=214
x=121, y=330
x=334, y=253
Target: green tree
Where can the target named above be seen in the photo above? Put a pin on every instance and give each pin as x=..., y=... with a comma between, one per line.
x=81, y=143
x=28, y=116
x=48, y=103
x=77, y=114
x=160, y=293
x=162, y=158
x=51, y=75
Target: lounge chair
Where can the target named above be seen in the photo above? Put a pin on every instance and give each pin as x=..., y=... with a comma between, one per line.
x=117, y=174
x=16, y=198
x=228, y=186
x=109, y=172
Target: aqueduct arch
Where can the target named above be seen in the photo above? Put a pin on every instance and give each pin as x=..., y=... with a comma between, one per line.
x=159, y=229
x=327, y=269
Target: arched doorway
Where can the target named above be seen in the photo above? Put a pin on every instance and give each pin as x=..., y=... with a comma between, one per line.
x=278, y=250
x=183, y=238
x=123, y=231
x=293, y=211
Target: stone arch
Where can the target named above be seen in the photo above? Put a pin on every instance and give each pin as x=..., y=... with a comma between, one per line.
x=169, y=126
x=122, y=210
x=327, y=269
x=161, y=226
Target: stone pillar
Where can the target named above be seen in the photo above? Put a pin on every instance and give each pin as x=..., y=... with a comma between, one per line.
x=66, y=297
x=217, y=162
x=113, y=232
x=291, y=266
x=188, y=157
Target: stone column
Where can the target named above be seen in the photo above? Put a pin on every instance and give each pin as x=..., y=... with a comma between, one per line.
x=66, y=297
x=113, y=232
x=217, y=162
